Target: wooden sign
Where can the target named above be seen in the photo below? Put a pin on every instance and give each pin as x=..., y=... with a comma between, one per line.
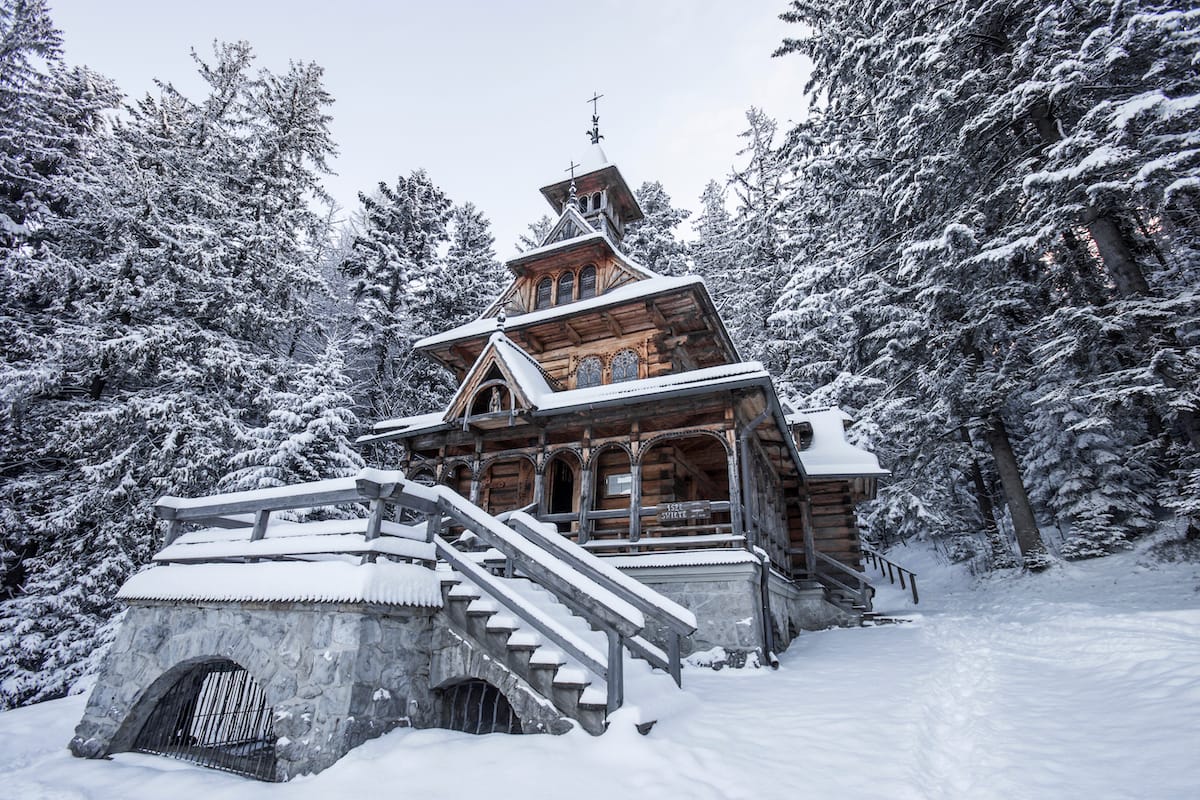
x=691, y=510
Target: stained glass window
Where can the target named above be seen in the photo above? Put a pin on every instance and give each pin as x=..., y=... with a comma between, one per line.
x=587, y=282
x=566, y=287
x=588, y=373
x=625, y=366
x=544, y=290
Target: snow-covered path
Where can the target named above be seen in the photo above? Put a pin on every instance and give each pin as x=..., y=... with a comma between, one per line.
x=1083, y=683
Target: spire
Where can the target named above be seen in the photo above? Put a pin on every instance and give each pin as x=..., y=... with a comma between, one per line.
x=595, y=131
x=572, y=193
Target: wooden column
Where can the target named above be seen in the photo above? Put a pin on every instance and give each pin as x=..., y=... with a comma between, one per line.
x=635, y=500
x=635, y=483
x=585, y=485
x=585, y=503
x=753, y=536
x=806, y=523
x=476, y=461
x=539, y=478
x=735, y=500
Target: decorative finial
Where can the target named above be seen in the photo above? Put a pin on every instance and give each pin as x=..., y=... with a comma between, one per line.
x=501, y=318
x=572, y=197
x=595, y=131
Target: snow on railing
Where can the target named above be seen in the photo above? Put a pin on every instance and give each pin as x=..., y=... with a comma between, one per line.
x=239, y=527
x=674, y=618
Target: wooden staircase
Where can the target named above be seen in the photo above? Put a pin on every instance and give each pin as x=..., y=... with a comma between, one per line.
x=524, y=652
x=568, y=645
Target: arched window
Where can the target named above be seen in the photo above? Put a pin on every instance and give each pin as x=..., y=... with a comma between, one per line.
x=625, y=366
x=566, y=287
x=587, y=282
x=583, y=204
x=545, y=289
x=596, y=201
x=588, y=373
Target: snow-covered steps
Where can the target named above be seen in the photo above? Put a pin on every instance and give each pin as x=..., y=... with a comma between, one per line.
x=523, y=651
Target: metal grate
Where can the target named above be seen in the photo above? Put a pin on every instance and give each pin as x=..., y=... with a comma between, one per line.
x=216, y=716
x=477, y=707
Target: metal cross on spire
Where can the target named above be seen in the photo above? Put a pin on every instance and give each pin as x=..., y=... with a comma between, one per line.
x=595, y=131
x=572, y=169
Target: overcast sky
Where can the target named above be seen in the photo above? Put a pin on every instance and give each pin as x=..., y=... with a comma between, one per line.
x=489, y=97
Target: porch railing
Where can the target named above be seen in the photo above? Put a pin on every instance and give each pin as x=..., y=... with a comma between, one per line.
x=893, y=571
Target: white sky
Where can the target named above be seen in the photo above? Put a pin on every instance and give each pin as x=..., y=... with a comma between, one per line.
x=489, y=97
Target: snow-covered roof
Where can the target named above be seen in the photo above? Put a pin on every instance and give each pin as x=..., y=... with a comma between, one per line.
x=692, y=558
x=401, y=424
x=632, y=291
x=570, y=213
x=830, y=454
x=528, y=377
x=289, y=581
x=593, y=159
x=696, y=380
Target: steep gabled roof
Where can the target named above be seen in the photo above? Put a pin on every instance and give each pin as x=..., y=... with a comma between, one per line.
x=569, y=217
x=525, y=378
x=647, y=287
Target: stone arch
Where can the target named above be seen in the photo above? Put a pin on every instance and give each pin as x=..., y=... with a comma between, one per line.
x=142, y=700
x=213, y=713
x=475, y=706
x=454, y=661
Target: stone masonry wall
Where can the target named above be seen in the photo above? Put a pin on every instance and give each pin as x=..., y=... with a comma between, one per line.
x=335, y=675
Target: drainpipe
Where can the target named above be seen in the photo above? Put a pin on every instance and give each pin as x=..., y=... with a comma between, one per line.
x=764, y=567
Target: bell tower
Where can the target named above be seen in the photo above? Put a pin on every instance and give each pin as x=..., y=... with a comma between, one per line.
x=596, y=188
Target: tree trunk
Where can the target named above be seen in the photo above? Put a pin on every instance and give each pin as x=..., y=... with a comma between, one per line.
x=1033, y=550
x=1001, y=556
x=1110, y=241
x=1114, y=251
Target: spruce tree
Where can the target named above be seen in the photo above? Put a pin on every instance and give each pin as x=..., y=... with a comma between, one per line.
x=652, y=241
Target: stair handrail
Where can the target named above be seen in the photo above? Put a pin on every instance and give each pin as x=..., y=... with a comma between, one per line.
x=862, y=591
x=886, y=566
x=678, y=620
x=578, y=649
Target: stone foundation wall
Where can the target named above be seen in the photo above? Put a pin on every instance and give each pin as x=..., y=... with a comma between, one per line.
x=727, y=602
x=335, y=675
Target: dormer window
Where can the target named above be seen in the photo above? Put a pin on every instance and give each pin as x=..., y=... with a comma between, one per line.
x=587, y=282
x=588, y=373
x=566, y=287
x=545, y=291
x=625, y=366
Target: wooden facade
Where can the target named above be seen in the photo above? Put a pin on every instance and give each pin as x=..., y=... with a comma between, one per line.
x=611, y=401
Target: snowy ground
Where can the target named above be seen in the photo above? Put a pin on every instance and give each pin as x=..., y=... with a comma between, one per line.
x=1080, y=683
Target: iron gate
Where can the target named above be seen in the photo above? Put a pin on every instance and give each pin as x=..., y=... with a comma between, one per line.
x=477, y=707
x=217, y=716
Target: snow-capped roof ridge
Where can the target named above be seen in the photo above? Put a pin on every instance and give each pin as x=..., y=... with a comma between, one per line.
x=529, y=380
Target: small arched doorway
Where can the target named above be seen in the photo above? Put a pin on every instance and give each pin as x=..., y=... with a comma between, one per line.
x=475, y=706
x=215, y=715
x=562, y=490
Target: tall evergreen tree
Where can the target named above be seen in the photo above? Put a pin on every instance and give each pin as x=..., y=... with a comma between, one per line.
x=394, y=266
x=969, y=139
x=170, y=328
x=652, y=241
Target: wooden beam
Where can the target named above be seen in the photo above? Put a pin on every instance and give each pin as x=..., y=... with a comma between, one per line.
x=614, y=326
x=659, y=319
x=572, y=334
x=534, y=343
